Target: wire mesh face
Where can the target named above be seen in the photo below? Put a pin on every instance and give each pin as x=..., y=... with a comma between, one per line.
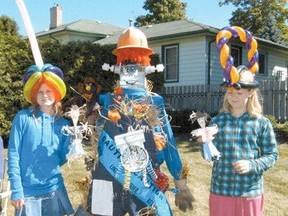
x=132, y=75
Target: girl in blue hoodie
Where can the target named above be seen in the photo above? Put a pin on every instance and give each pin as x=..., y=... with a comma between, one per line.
x=37, y=148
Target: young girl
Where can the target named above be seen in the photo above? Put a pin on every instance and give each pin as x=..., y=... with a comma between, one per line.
x=248, y=147
x=37, y=148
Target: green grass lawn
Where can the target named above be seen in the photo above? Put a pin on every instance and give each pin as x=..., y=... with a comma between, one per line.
x=276, y=184
x=275, y=179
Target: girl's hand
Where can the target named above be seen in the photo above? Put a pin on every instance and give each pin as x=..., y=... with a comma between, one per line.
x=18, y=204
x=205, y=135
x=242, y=166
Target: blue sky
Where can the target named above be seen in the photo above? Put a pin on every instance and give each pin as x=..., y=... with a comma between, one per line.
x=116, y=12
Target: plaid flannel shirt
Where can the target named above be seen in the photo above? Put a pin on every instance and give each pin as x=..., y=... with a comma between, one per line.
x=243, y=138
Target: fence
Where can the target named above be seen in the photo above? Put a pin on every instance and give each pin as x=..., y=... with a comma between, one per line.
x=209, y=98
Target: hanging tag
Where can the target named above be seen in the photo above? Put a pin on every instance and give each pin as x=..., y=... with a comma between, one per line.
x=134, y=156
x=102, y=197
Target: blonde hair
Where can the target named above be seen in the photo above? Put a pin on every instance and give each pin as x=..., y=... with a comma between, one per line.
x=247, y=81
x=254, y=107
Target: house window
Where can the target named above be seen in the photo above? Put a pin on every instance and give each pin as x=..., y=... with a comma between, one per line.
x=262, y=63
x=236, y=53
x=171, y=62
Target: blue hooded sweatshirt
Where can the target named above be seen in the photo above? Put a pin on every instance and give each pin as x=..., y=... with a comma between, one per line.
x=36, y=150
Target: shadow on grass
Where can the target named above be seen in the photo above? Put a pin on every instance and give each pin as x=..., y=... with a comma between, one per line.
x=281, y=136
x=185, y=142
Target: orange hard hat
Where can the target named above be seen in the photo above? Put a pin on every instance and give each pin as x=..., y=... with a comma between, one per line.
x=132, y=45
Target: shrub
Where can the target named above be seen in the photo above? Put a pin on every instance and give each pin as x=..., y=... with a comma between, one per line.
x=180, y=120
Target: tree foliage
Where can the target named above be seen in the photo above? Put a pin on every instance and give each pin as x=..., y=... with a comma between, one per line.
x=14, y=59
x=8, y=26
x=161, y=11
x=77, y=60
x=81, y=59
x=263, y=18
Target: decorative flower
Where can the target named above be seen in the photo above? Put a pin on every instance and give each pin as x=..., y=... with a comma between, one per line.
x=160, y=141
x=74, y=113
x=114, y=115
x=118, y=91
x=162, y=180
x=139, y=110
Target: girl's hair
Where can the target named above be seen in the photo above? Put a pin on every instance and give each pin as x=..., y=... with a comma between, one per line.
x=247, y=81
x=254, y=107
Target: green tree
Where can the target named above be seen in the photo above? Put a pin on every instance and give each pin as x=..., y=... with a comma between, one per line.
x=271, y=30
x=258, y=16
x=77, y=60
x=14, y=58
x=82, y=59
x=161, y=11
x=8, y=26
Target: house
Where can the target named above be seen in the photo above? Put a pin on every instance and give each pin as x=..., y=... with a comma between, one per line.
x=80, y=30
x=188, y=49
x=189, y=53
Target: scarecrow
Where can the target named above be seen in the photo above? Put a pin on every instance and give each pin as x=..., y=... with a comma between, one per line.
x=135, y=140
x=87, y=96
x=86, y=99
x=200, y=122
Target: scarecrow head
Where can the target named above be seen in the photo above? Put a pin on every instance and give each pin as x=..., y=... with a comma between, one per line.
x=89, y=88
x=133, y=59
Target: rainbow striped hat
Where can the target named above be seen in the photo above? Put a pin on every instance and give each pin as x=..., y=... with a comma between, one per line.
x=35, y=76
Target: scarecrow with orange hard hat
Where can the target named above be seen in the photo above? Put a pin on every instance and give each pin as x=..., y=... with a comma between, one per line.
x=135, y=140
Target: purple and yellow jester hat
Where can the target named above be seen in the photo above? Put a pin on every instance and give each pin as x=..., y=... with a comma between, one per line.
x=35, y=76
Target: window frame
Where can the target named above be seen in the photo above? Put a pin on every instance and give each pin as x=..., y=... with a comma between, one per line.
x=239, y=52
x=164, y=60
x=262, y=63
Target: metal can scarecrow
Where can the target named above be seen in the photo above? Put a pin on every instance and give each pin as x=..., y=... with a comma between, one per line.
x=136, y=139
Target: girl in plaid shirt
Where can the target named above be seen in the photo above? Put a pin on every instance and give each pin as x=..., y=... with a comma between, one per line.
x=248, y=147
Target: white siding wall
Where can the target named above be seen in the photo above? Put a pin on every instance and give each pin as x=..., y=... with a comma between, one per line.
x=276, y=63
x=65, y=37
x=216, y=71
x=192, y=62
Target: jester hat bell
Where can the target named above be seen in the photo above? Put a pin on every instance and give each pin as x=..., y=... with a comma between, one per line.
x=50, y=75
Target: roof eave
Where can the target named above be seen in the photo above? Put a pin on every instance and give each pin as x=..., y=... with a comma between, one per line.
x=70, y=31
x=184, y=34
